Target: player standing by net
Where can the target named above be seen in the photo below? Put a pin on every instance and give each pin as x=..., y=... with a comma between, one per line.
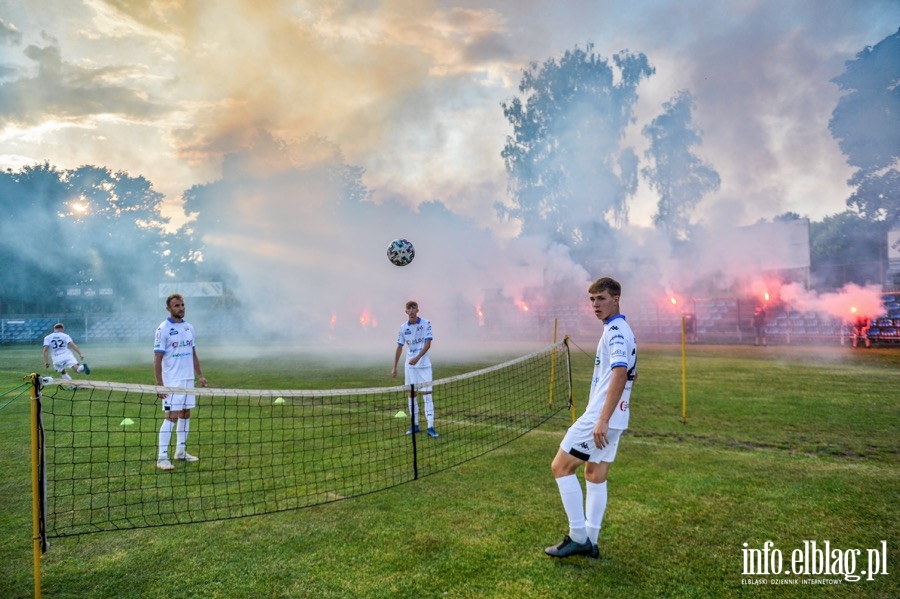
x=415, y=335
x=175, y=364
x=58, y=346
x=593, y=439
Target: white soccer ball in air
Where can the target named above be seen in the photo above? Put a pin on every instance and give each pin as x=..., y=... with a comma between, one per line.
x=401, y=252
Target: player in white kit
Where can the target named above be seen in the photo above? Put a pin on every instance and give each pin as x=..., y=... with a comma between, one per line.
x=58, y=347
x=175, y=363
x=415, y=335
x=593, y=439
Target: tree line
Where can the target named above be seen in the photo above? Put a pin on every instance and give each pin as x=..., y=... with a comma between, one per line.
x=570, y=178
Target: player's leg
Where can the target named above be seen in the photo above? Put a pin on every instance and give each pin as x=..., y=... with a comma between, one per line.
x=183, y=426
x=62, y=367
x=412, y=400
x=596, y=472
x=425, y=377
x=576, y=542
x=412, y=404
x=68, y=362
x=165, y=436
x=429, y=412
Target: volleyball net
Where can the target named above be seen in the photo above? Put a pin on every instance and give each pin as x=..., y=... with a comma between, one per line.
x=264, y=451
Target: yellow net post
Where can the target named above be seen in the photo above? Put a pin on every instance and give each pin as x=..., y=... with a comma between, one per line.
x=683, y=372
x=36, y=482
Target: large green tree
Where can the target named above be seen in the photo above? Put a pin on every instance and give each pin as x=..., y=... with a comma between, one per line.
x=87, y=226
x=866, y=123
x=569, y=175
x=680, y=178
x=845, y=248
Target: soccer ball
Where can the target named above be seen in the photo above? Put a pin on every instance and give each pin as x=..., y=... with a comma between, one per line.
x=401, y=252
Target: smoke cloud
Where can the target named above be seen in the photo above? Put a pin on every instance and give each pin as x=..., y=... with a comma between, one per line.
x=410, y=93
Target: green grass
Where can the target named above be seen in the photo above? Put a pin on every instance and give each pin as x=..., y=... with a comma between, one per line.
x=781, y=443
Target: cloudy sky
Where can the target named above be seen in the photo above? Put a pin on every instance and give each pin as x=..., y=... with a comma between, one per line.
x=411, y=90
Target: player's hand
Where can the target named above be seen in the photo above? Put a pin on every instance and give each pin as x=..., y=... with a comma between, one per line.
x=203, y=381
x=601, y=430
x=394, y=373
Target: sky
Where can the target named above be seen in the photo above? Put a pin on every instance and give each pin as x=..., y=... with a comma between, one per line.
x=411, y=91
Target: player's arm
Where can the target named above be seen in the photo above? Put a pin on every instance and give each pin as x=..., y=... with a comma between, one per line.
x=613, y=396
x=46, y=356
x=396, y=359
x=198, y=371
x=157, y=369
x=425, y=347
x=77, y=349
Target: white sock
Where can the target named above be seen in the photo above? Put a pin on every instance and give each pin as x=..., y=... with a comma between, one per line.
x=80, y=368
x=181, y=434
x=573, y=503
x=413, y=403
x=595, y=508
x=66, y=377
x=165, y=435
x=429, y=410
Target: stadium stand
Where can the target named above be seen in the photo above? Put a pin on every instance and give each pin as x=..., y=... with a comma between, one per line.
x=107, y=328
x=25, y=330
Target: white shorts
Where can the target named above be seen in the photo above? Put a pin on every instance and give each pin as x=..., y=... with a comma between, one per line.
x=420, y=376
x=60, y=363
x=174, y=402
x=579, y=443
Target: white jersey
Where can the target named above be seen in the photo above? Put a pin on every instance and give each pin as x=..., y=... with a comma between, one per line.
x=176, y=341
x=59, y=346
x=617, y=348
x=414, y=336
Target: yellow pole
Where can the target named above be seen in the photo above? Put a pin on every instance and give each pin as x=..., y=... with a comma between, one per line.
x=553, y=363
x=35, y=486
x=683, y=373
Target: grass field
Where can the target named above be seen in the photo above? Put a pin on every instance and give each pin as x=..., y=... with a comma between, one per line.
x=781, y=444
